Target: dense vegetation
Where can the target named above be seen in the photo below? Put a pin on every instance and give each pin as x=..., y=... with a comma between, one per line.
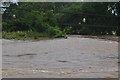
x=35, y=20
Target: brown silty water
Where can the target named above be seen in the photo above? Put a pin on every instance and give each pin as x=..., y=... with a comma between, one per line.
x=60, y=58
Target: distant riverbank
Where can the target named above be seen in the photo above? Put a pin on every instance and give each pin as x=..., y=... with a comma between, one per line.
x=104, y=37
x=30, y=35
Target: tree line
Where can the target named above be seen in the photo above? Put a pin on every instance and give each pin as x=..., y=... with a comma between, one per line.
x=59, y=18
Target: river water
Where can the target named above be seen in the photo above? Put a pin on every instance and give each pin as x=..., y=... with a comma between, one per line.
x=60, y=58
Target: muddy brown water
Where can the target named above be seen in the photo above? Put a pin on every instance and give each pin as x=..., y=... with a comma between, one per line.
x=60, y=58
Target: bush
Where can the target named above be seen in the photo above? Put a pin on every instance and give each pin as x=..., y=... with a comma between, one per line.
x=118, y=32
x=68, y=30
x=55, y=32
x=34, y=20
x=23, y=35
x=85, y=31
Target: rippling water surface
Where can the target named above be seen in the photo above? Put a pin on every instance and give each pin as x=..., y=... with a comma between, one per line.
x=72, y=57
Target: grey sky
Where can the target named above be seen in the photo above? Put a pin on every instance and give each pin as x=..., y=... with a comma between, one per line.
x=61, y=0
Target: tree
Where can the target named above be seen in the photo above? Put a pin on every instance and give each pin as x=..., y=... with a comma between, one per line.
x=41, y=15
x=97, y=13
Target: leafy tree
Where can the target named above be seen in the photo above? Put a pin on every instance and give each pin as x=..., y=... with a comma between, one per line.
x=50, y=16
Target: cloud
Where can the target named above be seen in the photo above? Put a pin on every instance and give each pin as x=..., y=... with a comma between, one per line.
x=13, y=1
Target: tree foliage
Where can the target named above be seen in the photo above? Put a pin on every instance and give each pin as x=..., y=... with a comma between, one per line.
x=49, y=17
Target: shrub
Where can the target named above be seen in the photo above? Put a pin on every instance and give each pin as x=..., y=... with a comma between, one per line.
x=85, y=31
x=55, y=32
x=68, y=30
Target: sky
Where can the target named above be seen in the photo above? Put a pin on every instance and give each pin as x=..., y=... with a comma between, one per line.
x=10, y=1
x=1, y=4
x=13, y=1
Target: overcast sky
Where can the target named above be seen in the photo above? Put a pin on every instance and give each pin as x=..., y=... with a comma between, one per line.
x=14, y=1
x=61, y=0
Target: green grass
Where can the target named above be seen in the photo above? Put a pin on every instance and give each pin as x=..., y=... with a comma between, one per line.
x=27, y=35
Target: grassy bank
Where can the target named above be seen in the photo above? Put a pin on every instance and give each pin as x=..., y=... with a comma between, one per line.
x=29, y=35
